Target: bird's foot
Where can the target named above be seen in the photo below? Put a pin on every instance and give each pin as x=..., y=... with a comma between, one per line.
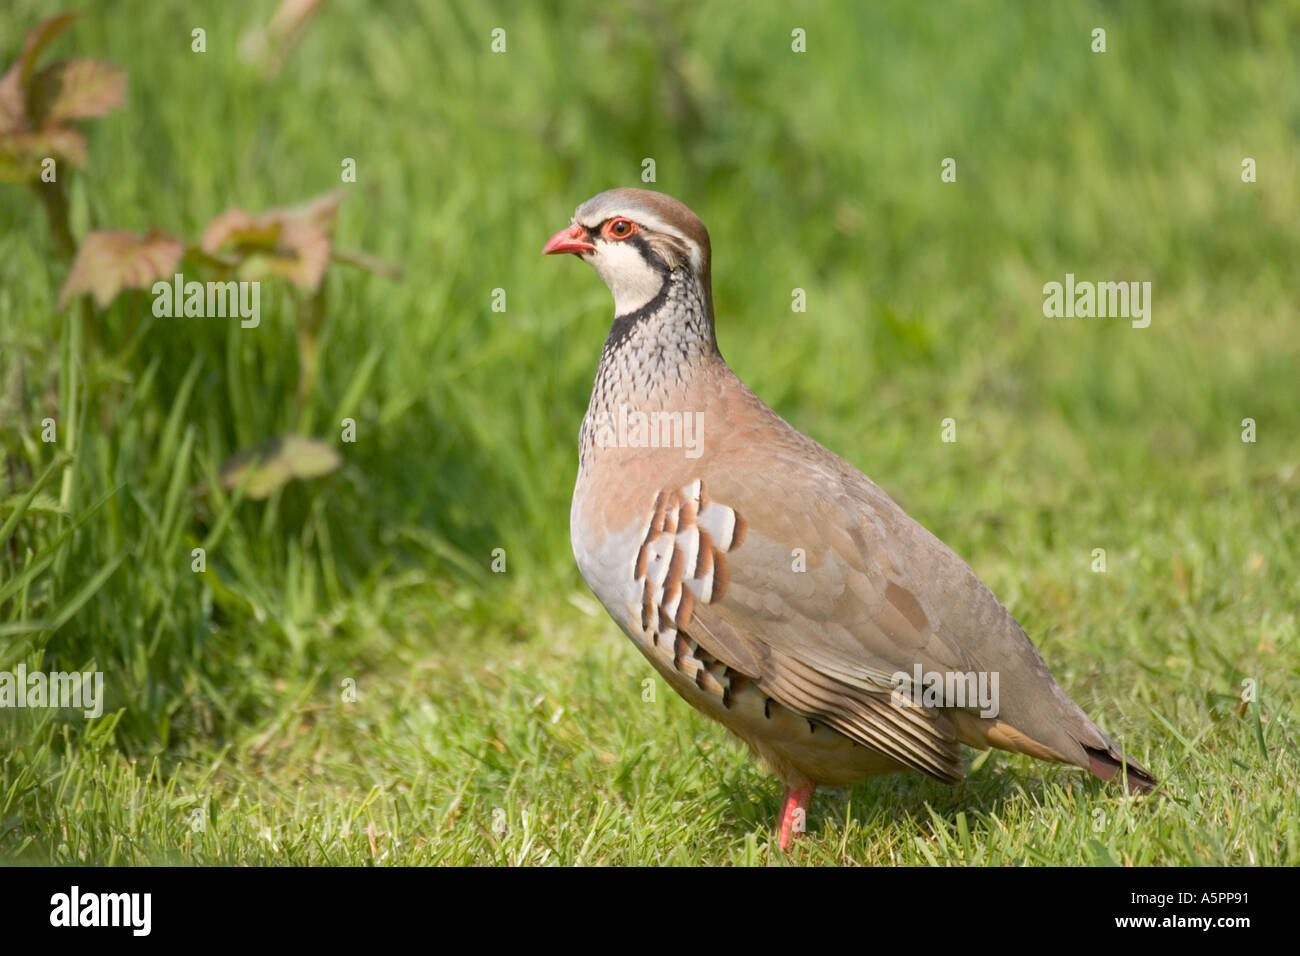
x=794, y=815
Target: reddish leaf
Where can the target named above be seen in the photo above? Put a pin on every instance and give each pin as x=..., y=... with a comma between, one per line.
x=15, y=87
x=320, y=212
x=301, y=256
x=77, y=89
x=234, y=227
x=21, y=153
x=293, y=242
x=109, y=262
x=33, y=105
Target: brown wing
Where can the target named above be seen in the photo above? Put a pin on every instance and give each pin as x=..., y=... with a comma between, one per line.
x=832, y=590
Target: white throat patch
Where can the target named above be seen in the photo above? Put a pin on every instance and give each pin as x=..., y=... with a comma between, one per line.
x=630, y=278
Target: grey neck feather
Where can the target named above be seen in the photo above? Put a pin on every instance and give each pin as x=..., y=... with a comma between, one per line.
x=658, y=348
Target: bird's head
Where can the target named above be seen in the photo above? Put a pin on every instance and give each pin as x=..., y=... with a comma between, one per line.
x=638, y=241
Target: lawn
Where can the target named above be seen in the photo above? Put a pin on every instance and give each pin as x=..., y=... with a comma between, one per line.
x=391, y=658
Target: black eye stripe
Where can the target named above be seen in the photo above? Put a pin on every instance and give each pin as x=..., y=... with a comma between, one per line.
x=652, y=258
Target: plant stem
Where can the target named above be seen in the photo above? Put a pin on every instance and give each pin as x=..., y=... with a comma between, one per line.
x=55, y=201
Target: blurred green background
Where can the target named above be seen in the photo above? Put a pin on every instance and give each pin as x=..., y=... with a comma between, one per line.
x=818, y=170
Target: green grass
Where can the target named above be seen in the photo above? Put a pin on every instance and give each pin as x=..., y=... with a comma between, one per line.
x=499, y=717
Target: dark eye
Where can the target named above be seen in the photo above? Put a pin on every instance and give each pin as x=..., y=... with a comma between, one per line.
x=620, y=228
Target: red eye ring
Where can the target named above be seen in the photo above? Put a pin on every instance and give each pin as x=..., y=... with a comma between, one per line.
x=620, y=228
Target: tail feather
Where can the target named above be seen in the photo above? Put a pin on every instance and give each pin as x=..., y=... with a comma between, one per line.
x=1108, y=764
x=1095, y=752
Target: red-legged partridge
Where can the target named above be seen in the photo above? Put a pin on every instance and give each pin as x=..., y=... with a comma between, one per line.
x=771, y=583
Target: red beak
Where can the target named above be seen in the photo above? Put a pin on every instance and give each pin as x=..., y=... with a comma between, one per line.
x=573, y=239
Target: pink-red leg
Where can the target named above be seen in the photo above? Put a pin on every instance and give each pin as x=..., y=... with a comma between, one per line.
x=794, y=816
